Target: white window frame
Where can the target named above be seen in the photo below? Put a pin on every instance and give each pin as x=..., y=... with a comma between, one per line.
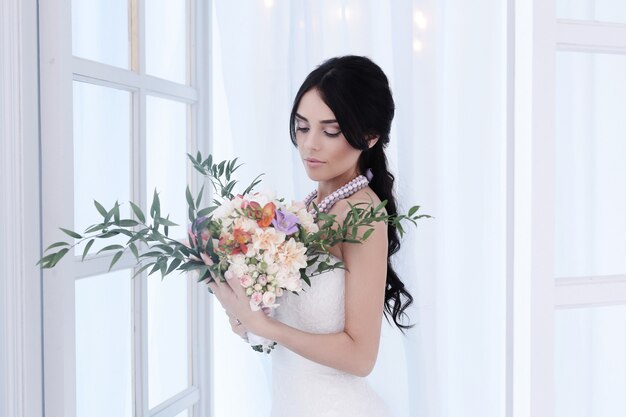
x=59, y=68
x=534, y=292
x=20, y=278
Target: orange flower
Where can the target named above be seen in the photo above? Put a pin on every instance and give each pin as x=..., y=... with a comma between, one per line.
x=263, y=216
x=267, y=215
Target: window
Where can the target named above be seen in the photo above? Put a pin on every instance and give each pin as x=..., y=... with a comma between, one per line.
x=122, y=106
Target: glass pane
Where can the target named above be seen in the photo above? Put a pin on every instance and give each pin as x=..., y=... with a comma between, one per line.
x=166, y=39
x=100, y=31
x=602, y=10
x=590, y=168
x=590, y=364
x=183, y=414
x=104, y=345
x=167, y=159
x=168, y=351
x=102, y=142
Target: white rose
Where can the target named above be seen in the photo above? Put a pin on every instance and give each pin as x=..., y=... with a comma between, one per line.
x=246, y=281
x=272, y=267
x=294, y=283
x=224, y=210
x=238, y=269
x=269, y=298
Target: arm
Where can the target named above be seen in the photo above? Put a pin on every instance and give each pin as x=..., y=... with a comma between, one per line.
x=354, y=350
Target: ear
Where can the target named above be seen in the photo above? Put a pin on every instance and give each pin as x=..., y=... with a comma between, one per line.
x=372, y=140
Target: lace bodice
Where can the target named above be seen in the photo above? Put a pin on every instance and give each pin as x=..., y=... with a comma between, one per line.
x=303, y=388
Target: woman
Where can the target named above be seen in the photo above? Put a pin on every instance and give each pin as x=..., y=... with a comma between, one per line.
x=328, y=336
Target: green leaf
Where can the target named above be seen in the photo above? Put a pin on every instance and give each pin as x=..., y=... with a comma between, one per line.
x=412, y=210
x=151, y=254
x=60, y=254
x=165, y=248
x=165, y=222
x=116, y=212
x=116, y=257
x=128, y=223
x=155, y=209
x=71, y=233
x=138, y=212
x=173, y=265
x=206, y=211
x=367, y=234
x=110, y=247
x=100, y=208
x=143, y=268
x=199, y=198
x=86, y=250
x=133, y=249
x=189, y=197
x=109, y=234
x=44, y=262
x=56, y=245
x=96, y=227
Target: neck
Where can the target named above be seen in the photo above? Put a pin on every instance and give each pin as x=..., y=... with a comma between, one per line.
x=325, y=188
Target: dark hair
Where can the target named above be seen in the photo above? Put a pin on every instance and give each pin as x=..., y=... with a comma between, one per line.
x=358, y=93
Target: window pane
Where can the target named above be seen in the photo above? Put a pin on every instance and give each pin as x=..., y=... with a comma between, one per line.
x=590, y=365
x=100, y=31
x=167, y=159
x=102, y=141
x=590, y=168
x=168, y=357
x=183, y=414
x=166, y=39
x=602, y=10
x=104, y=345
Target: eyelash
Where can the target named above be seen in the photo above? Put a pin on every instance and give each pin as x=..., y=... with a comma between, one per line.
x=305, y=129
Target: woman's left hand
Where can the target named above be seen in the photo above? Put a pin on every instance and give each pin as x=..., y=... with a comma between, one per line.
x=232, y=296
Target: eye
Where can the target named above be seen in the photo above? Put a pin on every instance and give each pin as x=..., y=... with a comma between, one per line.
x=302, y=129
x=332, y=135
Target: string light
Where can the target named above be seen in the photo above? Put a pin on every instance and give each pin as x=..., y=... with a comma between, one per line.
x=417, y=45
x=419, y=19
x=344, y=12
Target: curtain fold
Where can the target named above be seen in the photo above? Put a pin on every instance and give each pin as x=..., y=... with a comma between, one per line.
x=446, y=62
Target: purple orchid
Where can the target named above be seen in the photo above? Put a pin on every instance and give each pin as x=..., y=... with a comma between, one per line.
x=285, y=222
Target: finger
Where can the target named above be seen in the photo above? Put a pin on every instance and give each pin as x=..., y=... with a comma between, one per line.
x=236, y=287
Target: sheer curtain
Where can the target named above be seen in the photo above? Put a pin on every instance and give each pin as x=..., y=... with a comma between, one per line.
x=446, y=61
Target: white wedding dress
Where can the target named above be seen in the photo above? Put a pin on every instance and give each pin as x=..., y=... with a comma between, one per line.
x=303, y=388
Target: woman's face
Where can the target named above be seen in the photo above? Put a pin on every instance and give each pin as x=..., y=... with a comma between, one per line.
x=319, y=136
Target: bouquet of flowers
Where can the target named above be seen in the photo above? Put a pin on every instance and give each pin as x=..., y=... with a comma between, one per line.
x=254, y=237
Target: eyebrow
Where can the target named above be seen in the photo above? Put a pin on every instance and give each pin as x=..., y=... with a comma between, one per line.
x=299, y=116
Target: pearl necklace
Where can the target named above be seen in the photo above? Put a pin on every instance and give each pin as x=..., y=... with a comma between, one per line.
x=348, y=189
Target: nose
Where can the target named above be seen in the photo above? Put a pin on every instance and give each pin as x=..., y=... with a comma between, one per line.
x=312, y=139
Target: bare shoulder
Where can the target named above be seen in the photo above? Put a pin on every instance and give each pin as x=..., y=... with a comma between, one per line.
x=341, y=208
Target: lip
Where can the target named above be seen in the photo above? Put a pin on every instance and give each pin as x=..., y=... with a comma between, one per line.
x=313, y=162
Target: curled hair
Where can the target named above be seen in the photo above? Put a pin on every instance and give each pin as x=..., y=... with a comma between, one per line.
x=358, y=93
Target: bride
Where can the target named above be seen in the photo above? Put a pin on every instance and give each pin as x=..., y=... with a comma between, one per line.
x=328, y=336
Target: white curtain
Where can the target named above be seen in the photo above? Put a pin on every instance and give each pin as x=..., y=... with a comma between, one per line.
x=446, y=61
